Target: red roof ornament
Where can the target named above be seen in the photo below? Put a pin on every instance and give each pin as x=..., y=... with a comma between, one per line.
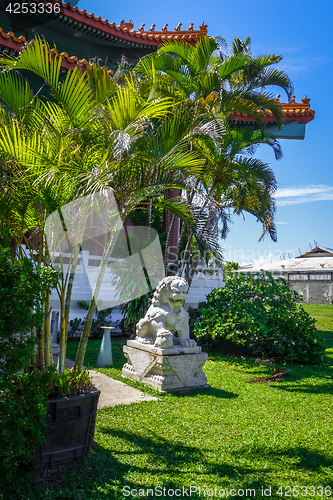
x=152, y=27
x=203, y=27
x=177, y=28
x=165, y=27
x=128, y=26
x=306, y=100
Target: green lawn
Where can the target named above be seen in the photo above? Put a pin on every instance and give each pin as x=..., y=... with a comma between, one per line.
x=234, y=437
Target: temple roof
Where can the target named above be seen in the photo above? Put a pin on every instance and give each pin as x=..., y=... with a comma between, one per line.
x=292, y=111
x=124, y=33
x=84, y=32
x=125, y=30
x=10, y=41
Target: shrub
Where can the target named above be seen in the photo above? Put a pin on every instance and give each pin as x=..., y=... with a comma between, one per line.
x=261, y=313
x=23, y=407
x=23, y=393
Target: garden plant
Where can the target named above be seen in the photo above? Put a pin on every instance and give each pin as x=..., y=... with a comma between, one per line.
x=84, y=133
x=162, y=126
x=261, y=313
x=274, y=437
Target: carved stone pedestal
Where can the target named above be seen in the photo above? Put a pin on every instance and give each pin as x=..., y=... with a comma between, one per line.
x=175, y=369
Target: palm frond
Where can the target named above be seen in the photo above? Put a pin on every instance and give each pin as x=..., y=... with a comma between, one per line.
x=15, y=92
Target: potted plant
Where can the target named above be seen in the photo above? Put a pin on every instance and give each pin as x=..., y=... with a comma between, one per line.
x=36, y=405
x=70, y=420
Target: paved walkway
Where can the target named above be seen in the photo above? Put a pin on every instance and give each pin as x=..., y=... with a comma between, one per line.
x=114, y=392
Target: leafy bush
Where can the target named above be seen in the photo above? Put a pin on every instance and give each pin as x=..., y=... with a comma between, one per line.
x=261, y=313
x=22, y=394
x=23, y=407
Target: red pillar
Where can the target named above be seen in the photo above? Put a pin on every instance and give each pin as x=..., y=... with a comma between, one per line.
x=172, y=253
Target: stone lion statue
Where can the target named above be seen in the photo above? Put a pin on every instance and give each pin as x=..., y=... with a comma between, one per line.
x=166, y=316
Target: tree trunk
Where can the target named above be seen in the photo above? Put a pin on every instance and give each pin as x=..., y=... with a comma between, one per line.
x=63, y=336
x=92, y=306
x=41, y=348
x=181, y=235
x=47, y=330
x=70, y=285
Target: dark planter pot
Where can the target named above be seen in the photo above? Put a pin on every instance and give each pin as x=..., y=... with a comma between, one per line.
x=70, y=430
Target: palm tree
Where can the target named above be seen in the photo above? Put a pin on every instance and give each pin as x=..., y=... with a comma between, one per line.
x=165, y=128
x=214, y=77
x=87, y=139
x=210, y=81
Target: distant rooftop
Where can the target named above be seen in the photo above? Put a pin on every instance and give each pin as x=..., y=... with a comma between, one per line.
x=316, y=259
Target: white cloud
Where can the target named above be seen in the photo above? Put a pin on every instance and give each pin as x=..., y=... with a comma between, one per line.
x=297, y=66
x=281, y=222
x=303, y=194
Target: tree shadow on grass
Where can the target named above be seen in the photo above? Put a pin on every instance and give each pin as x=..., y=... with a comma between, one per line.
x=165, y=457
x=304, y=458
x=105, y=472
x=299, y=378
x=326, y=388
x=208, y=392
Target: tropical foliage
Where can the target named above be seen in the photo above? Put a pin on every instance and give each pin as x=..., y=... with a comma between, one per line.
x=90, y=136
x=163, y=126
x=261, y=313
x=209, y=81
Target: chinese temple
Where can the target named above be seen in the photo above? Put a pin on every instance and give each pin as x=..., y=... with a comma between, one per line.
x=81, y=37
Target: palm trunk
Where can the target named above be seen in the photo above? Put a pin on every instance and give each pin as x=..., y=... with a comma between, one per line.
x=70, y=285
x=65, y=302
x=47, y=330
x=63, y=337
x=41, y=329
x=150, y=211
x=181, y=235
x=92, y=306
x=182, y=231
x=47, y=318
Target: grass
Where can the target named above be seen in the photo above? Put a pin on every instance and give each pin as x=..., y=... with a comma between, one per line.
x=234, y=437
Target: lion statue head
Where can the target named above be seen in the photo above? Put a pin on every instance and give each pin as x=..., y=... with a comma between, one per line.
x=172, y=290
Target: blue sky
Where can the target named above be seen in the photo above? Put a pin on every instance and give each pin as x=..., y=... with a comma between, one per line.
x=300, y=31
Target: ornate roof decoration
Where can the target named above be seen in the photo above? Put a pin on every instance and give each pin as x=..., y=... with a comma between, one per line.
x=16, y=44
x=125, y=30
x=10, y=41
x=292, y=111
x=69, y=62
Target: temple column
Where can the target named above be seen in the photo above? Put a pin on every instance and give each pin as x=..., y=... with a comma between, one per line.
x=172, y=255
